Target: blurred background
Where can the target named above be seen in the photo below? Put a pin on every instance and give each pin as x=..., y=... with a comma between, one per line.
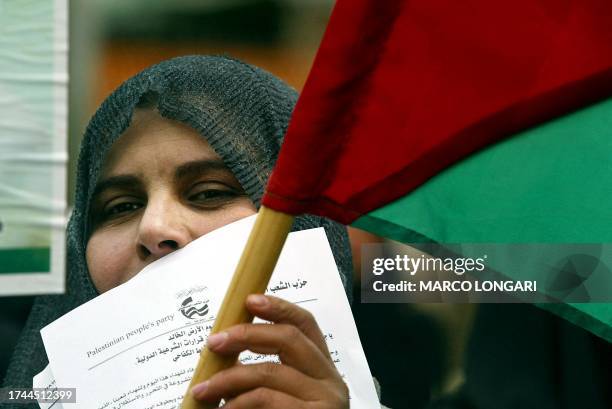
x=415, y=351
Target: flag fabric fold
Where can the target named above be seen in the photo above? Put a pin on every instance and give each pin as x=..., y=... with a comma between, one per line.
x=400, y=90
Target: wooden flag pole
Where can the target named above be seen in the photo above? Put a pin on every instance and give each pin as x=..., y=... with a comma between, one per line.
x=251, y=276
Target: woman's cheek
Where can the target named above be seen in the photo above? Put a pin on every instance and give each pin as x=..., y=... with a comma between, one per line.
x=237, y=211
x=111, y=258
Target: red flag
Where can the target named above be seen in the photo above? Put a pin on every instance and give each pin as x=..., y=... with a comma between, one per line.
x=400, y=90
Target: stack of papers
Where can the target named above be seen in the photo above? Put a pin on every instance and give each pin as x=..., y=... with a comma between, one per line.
x=136, y=346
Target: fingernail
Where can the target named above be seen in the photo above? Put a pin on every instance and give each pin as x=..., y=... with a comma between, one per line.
x=257, y=300
x=216, y=340
x=199, y=389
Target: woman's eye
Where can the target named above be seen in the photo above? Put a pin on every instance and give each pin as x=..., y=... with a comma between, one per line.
x=212, y=195
x=122, y=208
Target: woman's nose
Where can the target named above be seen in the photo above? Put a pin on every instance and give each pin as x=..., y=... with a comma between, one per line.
x=162, y=229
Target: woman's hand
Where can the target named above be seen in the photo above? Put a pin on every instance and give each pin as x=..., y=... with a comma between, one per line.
x=307, y=377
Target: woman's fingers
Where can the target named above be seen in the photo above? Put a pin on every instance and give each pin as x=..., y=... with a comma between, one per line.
x=307, y=377
x=239, y=379
x=264, y=398
x=287, y=341
x=283, y=312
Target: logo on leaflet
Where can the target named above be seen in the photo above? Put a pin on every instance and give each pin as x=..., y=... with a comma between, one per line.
x=194, y=309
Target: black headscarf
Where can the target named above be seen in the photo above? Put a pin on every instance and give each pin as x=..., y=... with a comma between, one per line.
x=242, y=112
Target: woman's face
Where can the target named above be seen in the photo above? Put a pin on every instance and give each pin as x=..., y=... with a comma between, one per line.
x=161, y=187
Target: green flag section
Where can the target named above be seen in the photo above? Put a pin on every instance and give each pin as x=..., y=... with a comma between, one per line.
x=549, y=184
x=596, y=317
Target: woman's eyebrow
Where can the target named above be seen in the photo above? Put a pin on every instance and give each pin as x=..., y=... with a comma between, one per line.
x=199, y=167
x=117, y=182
